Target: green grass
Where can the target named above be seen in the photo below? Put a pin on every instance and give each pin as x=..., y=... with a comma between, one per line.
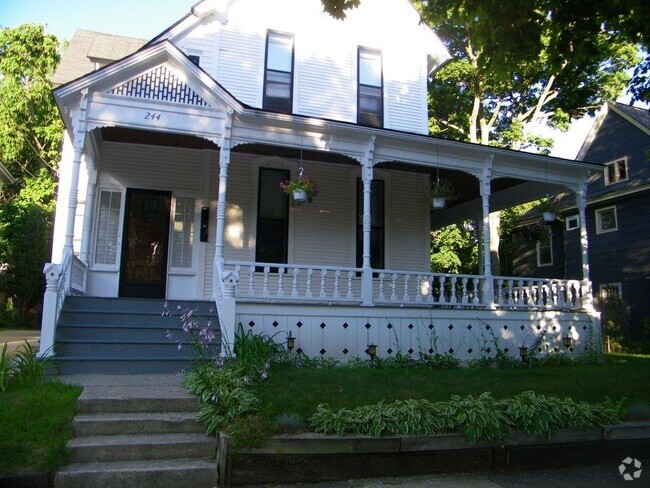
x=35, y=424
x=299, y=391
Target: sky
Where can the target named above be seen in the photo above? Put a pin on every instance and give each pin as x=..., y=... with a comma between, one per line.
x=147, y=18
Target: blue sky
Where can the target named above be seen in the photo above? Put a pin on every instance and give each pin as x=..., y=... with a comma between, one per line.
x=134, y=18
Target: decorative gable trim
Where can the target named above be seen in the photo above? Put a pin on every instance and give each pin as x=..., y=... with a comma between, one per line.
x=160, y=84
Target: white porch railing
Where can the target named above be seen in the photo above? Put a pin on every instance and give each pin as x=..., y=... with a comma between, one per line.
x=67, y=278
x=406, y=287
x=538, y=293
x=271, y=281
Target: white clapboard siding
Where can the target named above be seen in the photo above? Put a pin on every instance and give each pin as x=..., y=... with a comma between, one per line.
x=405, y=107
x=241, y=56
x=202, y=41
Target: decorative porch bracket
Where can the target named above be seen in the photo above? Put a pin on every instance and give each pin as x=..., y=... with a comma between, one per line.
x=367, y=174
x=485, y=180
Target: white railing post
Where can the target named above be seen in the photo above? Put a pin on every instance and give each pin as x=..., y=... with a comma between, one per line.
x=488, y=284
x=228, y=312
x=581, y=200
x=366, y=176
x=50, y=304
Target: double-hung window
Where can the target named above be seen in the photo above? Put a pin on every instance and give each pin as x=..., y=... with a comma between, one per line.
x=616, y=171
x=278, y=75
x=545, y=252
x=370, y=90
x=606, y=220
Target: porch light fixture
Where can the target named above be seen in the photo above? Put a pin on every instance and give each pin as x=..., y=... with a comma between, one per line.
x=567, y=340
x=372, y=351
x=291, y=342
x=523, y=353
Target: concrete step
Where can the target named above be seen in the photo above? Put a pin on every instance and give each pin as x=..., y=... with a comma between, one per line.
x=136, y=423
x=176, y=473
x=135, y=399
x=142, y=447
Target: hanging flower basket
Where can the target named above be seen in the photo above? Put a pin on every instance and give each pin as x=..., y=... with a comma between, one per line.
x=441, y=193
x=548, y=208
x=301, y=189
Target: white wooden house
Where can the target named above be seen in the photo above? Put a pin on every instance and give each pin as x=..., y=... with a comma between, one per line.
x=173, y=156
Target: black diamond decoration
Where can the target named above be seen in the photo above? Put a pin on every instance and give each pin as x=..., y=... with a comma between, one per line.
x=571, y=349
x=322, y=351
x=323, y=325
x=554, y=328
x=299, y=351
x=389, y=326
x=470, y=350
x=299, y=324
x=539, y=327
x=411, y=351
x=345, y=351
x=251, y=323
x=389, y=351
x=469, y=327
x=430, y=350
x=450, y=326
x=345, y=325
x=505, y=327
x=275, y=323
x=539, y=349
x=451, y=351
x=487, y=327
x=506, y=350
x=411, y=326
x=368, y=325
x=555, y=349
x=488, y=350
x=430, y=326
x=522, y=327
x=584, y=327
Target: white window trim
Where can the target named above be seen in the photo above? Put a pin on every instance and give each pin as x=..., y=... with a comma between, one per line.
x=572, y=218
x=197, y=224
x=605, y=286
x=597, y=212
x=606, y=172
x=537, y=248
x=118, y=258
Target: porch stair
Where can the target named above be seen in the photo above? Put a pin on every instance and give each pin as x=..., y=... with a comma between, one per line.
x=138, y=435
x=122, y=335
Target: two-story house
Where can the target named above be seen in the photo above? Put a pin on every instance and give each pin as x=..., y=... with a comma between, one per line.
x=171, y=179
x=616, y=218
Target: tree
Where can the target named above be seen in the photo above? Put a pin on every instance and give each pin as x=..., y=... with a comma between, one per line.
x=454, y=249
x=30, y=137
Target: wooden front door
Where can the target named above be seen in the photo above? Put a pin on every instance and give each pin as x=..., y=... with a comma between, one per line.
x=143, y=272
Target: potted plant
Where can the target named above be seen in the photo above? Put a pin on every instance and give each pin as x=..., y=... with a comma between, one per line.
x=441, y=193
x=548, y=208
x=301, y=189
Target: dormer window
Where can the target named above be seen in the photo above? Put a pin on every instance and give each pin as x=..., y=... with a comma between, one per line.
x=370, y=92
x=278, y=75
x=616, y=171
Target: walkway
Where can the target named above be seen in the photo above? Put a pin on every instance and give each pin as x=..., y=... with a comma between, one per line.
x=16, y=338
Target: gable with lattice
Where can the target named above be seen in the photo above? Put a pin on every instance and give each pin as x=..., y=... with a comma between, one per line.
x=160, y=84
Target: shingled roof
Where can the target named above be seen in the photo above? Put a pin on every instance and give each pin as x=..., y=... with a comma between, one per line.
x=90, y=50
x=640, y=115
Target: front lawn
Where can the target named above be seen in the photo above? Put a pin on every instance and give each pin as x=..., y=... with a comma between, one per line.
x=300, y=391
x=35, y=424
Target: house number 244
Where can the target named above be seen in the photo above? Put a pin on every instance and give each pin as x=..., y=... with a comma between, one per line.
x=152, y=116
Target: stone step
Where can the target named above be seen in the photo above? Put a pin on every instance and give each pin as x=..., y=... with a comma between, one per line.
x=142, y=447
x=136, y=423
x=176, y=473
x=134, y=399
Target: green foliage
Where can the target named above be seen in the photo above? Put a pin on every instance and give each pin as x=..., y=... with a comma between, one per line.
x=454, y=249
x=256, y=352
x=290, y=423
x=439, y=361
x=23, y=367
x=6, y=369
x=223, y=395
x=337, y=8
x=480, y=417
x=251, y=430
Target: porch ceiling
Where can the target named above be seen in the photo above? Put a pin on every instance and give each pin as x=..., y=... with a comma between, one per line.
x=155, y=138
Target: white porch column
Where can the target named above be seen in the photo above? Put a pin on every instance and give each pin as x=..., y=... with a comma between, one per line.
x=224, y=162
x=367, y=174
x=78, y=141
x=485, y=180
x=581, y=202
x=88, y=211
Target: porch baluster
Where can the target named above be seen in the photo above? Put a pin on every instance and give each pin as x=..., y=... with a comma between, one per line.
x=464, y=290
x=499, y=292
x=454, y=297
x=418, y=291
x=476, y=299
x=350, y=276
x=323, y=274
x=393, y=295
x=251, y=281
x=561, y=294
x=337, y=276
x=540, y=294
x=553, y=291
x=406, y=298
x=265, y=288
x=308, y=290
x=380, y=296
x=520, y=293
x=430, y=283
x=443, y=290
x=294, y=288
x=280, y=282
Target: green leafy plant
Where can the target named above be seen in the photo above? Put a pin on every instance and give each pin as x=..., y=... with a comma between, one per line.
x=6, y=369
x=439, y=361
x=27, y=367
x=290, y=423
x=549, y=204
x=256, y=352
x=300, y=183
x=203, y=336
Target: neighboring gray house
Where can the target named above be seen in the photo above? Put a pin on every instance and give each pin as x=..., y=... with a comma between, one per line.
x=618, y=215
